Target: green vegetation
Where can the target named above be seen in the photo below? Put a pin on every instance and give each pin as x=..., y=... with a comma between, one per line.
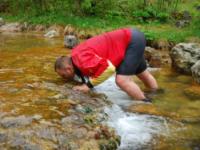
x=155, y=17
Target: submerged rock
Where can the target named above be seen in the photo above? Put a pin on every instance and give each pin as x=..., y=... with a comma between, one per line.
x=20, y=121
x=193, y=93
x=184, y=56
x=11, y=122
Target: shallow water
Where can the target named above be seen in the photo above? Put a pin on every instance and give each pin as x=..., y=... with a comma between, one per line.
x=171, y=122
x=27, y=62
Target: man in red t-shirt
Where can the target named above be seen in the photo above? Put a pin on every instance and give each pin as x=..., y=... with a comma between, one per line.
x=122, y=49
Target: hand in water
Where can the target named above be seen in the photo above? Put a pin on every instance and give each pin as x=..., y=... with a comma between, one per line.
x=147, y=100
x=82, y=88
x=152, y=93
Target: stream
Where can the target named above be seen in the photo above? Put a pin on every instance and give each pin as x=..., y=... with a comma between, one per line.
x=38, y=110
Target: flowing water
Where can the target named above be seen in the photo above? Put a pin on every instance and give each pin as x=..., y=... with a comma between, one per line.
x=27, y=61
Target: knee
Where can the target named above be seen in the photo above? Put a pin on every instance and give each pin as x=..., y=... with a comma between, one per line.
x=119, y=80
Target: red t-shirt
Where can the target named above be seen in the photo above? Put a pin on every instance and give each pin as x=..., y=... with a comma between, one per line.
x=91, y=56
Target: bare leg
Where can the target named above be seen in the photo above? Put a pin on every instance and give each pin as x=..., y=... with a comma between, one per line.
x=148, y=80
x=129, y=86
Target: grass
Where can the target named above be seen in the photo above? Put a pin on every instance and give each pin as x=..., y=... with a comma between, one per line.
x=153, y=30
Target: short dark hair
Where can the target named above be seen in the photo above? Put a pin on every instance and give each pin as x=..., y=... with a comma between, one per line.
x=61, y=62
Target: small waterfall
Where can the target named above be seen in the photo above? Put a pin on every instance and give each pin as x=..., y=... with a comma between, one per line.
x=137, y=131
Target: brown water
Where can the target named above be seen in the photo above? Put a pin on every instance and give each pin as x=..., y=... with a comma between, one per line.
x=27, y=62
x=26, y=59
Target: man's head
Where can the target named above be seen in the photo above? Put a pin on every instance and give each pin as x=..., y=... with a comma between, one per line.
x=64, y=67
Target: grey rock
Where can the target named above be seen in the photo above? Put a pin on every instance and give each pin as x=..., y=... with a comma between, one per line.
x=12, y=27
x=3, y=137
x=196, y=71
x=80, y=109
x=48, y=133
x=73, y=119
x=50, y=86
x=79, y=133
x=182, y=23
x=184, y=56
x=63, y=142
x=12, y=122
x=17, y=141
x=52, y=34
x=186, y=15
x=31, y=147
x=70, y=41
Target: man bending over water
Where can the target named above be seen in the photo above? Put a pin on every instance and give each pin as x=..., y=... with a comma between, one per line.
x=121, y=50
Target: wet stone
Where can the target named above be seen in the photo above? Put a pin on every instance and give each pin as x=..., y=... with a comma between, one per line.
x=12, y=122
x=17, y=141
x=3, y=137
x=80, y=109
x=13, y=90
x=63, y=141
x=194, y=120
x=58, y=96
x=31, y=147
x=48, y=133
x=73, y=119
x=50, y=86
x=80, y=133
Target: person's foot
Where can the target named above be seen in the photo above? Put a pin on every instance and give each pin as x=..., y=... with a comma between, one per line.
x=147, y=100
x=152, y=93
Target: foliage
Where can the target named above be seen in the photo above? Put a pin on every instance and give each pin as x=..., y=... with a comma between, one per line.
x=151, y=15
x=103, y=8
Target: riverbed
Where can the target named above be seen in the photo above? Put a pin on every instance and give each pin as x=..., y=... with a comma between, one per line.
x=34, y=97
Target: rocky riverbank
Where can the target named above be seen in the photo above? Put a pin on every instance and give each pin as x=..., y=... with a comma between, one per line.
x=38, y=111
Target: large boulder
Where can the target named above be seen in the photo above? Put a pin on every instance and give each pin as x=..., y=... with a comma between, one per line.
x=157, y=58
x=196, y=71
x=184, y=56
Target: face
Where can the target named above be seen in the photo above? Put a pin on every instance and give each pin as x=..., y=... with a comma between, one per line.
x=67, y=73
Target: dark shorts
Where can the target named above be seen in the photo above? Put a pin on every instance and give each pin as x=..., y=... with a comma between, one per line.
x=134, y=61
